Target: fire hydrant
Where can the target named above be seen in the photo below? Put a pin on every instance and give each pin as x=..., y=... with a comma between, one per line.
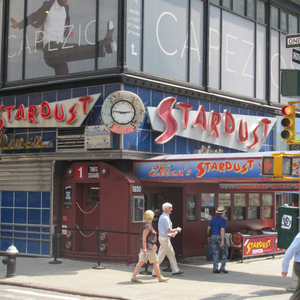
x=10, y=261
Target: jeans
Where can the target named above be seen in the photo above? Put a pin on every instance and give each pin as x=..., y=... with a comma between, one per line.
x=215, y=243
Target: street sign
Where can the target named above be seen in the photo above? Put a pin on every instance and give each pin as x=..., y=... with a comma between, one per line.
x=296, y=56
x=292, y=41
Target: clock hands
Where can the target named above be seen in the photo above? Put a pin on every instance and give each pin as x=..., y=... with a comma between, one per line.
x=122, y=112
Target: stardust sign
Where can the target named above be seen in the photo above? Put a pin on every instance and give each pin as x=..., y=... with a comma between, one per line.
x=241, y=132
x=66, y=113
x=258, y=245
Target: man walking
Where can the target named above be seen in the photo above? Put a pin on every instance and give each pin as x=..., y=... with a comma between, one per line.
x=165, y=233
x=293, y=251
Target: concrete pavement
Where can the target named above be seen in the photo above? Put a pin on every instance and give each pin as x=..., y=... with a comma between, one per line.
x=253, y=279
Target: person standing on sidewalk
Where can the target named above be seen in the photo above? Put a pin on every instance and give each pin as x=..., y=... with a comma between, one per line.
x=148, y=248
x=293, y=251
x=217, y=228
x=165, y=233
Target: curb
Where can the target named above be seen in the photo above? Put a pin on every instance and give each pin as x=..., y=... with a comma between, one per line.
x=60, y=290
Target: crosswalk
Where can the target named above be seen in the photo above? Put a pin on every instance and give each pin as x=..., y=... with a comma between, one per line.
x=24, y=294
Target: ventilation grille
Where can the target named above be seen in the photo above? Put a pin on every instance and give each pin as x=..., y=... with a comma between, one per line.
x=70, y=139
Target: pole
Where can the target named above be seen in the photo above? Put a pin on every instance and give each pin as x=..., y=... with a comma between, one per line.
x=98, y=267
x=55, y=245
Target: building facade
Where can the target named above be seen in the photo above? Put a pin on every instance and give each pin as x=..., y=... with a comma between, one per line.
x=91, y=90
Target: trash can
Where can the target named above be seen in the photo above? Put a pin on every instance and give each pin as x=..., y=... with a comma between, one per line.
x=287, y=224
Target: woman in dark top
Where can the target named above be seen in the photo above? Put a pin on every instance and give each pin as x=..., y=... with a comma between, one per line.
x=148, y=248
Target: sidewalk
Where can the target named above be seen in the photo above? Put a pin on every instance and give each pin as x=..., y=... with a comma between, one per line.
x=253, y=279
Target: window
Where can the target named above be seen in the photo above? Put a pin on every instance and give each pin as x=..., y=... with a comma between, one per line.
x=227, y=3
x=267, y=206
x=253, y=207
x=261, y=12
x=93, y=197
x=274, y=17
x=207, y=206
x=283, y=21
x=293, y=24
x=239, y=6
x=191, y=207
x=239, y=210
x=78, y=50
x=225, y=200
x=217, y=2
x=251, y=9
x=137, y=208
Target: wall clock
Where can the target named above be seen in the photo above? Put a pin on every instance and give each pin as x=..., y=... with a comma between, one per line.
x=123, y=112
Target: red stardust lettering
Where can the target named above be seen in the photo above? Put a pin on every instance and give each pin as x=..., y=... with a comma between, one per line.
x=72, y=113
x=215, y=121
x=214, y=167
x=251, y=163
x=255, y=138
x=222, y=167
x=45, y=110
x=32, y=110
x=265, y=123
x=186, y=107
x=1, y=119
x=201, y=170
x=118, y=129
x=59, y=116
x=164, y=111
x=8, y=110
x=244, y=168
x=200, y=119
x=236, y=167
x=20, y=113
x=229, y=127
x=84, y=101
x=228, y=166
x=243, y=136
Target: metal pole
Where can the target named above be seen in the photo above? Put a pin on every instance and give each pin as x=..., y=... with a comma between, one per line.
x=98, y=267
x=55, y=245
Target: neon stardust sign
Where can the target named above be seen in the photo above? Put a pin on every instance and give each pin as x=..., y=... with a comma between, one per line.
x=240, y=132
x=65, y=113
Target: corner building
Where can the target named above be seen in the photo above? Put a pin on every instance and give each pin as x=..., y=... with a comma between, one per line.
x=80, y=152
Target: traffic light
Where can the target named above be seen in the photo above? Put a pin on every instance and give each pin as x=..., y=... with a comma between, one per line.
x=277, y=166
x=288, y=122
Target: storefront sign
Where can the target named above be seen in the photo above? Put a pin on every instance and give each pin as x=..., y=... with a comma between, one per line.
x=208, y=168
x=244, y=133
x=68, y=195
x=66, y=113
x=93, y=172
x=259, y=186
x=18, y=143
x=258, y=245
x=98, y=137
x=136, y=189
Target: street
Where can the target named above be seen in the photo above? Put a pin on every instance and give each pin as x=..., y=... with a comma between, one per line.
x=17, y=293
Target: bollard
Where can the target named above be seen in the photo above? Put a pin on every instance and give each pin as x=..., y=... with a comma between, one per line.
x=146, y=272
x=10, y=261
x=99, y=266
x=55, y=246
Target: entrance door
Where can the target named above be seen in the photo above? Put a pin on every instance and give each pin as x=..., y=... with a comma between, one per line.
x=175, y=197
x=87, y=216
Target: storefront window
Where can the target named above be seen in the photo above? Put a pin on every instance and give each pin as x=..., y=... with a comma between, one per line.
x=207, y=206
x=274, y=17
x=261, y=12
x=239, y=210
x=251, y=8
x=227, y=3
x=225, y=200
x=239, y=7
x=283, y=21
x=293, y=24
x=217, y=2
x=253, y=207
x=267, y=208
x=191, y=207
x=137, y=208
x=60, y=39
x=93, y=195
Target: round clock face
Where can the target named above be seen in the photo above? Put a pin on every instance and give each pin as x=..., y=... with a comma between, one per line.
x=123, y=112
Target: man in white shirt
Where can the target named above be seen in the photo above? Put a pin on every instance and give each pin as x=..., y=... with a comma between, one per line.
x=165, y=233
x=293, y=251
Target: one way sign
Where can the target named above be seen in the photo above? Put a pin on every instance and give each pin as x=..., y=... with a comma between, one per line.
x=292, y=41
x=296, y=56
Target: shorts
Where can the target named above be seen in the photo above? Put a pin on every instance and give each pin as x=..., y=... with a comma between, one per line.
x=153, y=257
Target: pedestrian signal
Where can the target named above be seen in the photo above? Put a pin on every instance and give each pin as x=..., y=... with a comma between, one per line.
x=288, y=122
x=277, y=166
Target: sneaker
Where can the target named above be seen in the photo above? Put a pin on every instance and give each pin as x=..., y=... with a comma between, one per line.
x=178, y=273
x=136, y=280
x=223, y=271
x=216, y=271
x=163, y=279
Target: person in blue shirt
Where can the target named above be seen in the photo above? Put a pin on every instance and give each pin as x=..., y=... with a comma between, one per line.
x=293, y=251
x=217, y=228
